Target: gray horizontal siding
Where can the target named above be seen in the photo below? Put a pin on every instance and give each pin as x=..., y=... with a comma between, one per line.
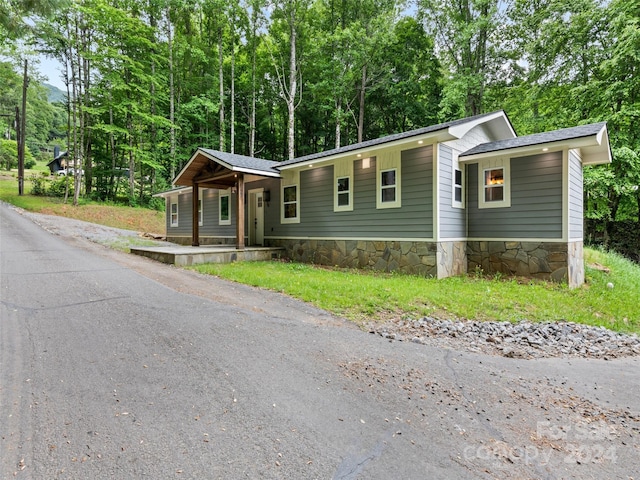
x=317, y=218
x=536, y=201
x=271, y=208
x=210, y=226
x=452, y=220
x=576, y=189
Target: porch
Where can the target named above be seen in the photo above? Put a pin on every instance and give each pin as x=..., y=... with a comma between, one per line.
x=187, y=255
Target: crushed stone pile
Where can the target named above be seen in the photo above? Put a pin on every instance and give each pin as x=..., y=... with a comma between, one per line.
x=517, y=340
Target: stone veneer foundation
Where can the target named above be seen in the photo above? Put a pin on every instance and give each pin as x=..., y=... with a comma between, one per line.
x=431, y=259
x=418, y=258
x=556, y=261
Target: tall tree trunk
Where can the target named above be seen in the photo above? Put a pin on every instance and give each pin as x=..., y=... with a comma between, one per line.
x=338, y=121
x=221, y=80
x=232, y=120
x=363, y=86
x=77, y=115
x=112, y=144
x=172, y=109
x=132, y=161
x=293, y=87
x=86, y=130
x=23, y=131
x=252, y=114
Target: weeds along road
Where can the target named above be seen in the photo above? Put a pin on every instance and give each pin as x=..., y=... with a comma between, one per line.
x=113, y=366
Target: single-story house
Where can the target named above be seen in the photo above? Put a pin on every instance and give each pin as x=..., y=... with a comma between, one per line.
x=59, y=161
x=443, y=200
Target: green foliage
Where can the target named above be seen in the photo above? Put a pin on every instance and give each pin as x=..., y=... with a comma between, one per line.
x=60, y=186
x=38, y=185
x=9, y=155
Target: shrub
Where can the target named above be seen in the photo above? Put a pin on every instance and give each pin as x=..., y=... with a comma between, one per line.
x=59, y=185
x=38, y=185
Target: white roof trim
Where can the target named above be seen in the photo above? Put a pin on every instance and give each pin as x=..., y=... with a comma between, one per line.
x=170, y=193
x=367, y=152
x=462, y=129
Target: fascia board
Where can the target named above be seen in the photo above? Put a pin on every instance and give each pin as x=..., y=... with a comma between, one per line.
x=433, y=137
x=581, y=143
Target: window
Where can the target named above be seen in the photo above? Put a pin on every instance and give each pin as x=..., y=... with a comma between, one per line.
x=494, y=185
x=174, y=213
x=457, y=186
x=388, y=180
x=344, y=192
x=388, y=185
x=457, y=197
x=494, y=190
x=290, y=202
x=343, y=185
x=224, y=210
x=200, y=211
x=290, y=194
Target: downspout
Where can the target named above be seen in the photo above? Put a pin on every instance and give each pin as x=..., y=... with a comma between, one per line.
x=240, y=217
x=195, y=221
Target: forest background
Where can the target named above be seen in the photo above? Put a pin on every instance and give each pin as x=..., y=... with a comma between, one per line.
x=149, y=81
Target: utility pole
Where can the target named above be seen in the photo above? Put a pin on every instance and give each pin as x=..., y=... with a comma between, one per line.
x=23, y=128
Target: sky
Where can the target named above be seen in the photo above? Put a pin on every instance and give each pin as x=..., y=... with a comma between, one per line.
x=52, y=70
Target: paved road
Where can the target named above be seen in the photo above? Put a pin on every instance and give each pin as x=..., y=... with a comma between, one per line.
x=114, y=366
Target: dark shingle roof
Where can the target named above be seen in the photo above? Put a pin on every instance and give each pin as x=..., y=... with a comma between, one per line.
x=537, y=139
x=243, y=162
x=382, y=140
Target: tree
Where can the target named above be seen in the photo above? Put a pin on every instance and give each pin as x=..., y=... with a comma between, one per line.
x=289, y=22
x=466, y=33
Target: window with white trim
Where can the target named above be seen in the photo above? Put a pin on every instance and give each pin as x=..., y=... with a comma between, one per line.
x=224, y=207
x=494, y=183
x=200, y=217
x=343, y=192
x=174, y=212
x=343, y=186
x=388, y=185
x=290, y=202
x=290, y=197
x=388, y=180
x=457, y=197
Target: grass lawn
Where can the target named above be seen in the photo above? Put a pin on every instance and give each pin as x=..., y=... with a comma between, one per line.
x=117, y=216
x=364, y=295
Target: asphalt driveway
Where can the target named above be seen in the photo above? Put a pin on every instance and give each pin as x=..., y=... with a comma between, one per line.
x=115, y=366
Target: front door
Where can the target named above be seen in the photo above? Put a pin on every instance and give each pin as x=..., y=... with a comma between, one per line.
x=256, y=218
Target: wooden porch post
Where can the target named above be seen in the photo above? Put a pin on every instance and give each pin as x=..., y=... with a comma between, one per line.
x=240, y=210
x=195, y=229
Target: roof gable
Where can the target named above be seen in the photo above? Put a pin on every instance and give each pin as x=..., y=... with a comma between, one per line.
x=212, y=164
x=592, y=139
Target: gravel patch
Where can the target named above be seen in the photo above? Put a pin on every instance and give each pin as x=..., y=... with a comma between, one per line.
x=516, y=340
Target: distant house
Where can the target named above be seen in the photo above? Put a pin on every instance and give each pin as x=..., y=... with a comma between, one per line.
x=439, y=201
x=59, y=161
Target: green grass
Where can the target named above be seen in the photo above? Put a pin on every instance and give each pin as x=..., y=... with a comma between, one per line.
x=364, y=295
x=117, y=216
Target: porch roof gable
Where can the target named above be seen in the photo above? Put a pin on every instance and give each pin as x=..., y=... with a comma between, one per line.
x=202, y=160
